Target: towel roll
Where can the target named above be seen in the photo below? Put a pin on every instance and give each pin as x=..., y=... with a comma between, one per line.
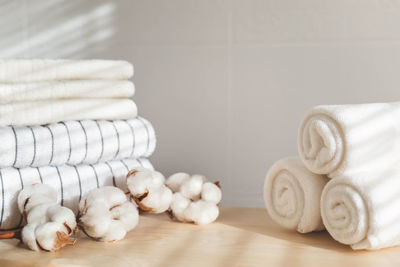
x=75, y=142
x=362, y=210
x=70, y=182
x=341, y=139
x=45, y=112
x=54, y=90
x=292, y=195
x=36, y=70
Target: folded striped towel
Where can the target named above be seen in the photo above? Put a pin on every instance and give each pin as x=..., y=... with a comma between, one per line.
x=71, y=183
x=53, y=90
x=75, y=142
x=34, y=70
x=45, y=112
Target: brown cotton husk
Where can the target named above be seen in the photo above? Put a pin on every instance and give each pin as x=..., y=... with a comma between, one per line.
x=170, y=214
x=62, y=240
x=217, y=183
x=131, y=172
x=69, y=230
x=138, y=200
x=10, y=234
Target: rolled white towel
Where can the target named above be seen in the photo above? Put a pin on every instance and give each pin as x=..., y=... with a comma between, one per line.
x=341, y=139
x=70, y=182
x=34, y=70
x=53, y=90
x=363, y=210
x=45, y=112
x=292, y=195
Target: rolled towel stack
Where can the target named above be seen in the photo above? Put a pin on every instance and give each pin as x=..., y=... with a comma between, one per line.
x=358, y=147
x=68, y=123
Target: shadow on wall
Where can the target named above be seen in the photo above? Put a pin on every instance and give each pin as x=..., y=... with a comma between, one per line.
x=55, y=28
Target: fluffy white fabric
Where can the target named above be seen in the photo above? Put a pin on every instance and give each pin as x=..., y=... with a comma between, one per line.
x=53, y=90
x=362, y=210
x=45, y=112
x=32, y=70
x=70, y=183
x=341, y=139
x=75, y=142
x=292, y=195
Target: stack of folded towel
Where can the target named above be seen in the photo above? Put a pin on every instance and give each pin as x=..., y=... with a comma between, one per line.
x=346, y=178
x=70, y=124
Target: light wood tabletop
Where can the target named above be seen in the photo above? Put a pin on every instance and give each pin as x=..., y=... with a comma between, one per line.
x=240, y=237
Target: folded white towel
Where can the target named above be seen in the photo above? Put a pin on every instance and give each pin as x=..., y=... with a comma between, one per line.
x=53, y=90
x=71, y=183
x=75, y=142
x=292, y=195
x=341, y=139
x=363, y=210
x=45, y=112
x=33, y=70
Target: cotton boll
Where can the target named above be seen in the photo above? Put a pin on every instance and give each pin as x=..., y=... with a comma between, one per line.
x=28, y=236
x=63, y=216
x=38, y=214
x=178, y=205
x=158, y=199
x=49, y=225
x=96, y=220
x=128, y=214
x=35, y=194
x=211, y=193
x=140, y=179
x=201, y=212
x=175, y=181
x=106, y=214
x=148, y=190
x=191, y=188
x=115, y=232
x=108, y=194
x=51, y=236
x=196, y=200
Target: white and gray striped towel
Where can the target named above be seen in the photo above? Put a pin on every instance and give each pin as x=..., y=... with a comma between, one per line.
x=75, y=142
x=71, y=183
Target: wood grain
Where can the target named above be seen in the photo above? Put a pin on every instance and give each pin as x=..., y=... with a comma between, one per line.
x=240, y=237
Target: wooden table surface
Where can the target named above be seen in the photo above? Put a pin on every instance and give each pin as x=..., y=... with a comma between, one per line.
x=240, y=237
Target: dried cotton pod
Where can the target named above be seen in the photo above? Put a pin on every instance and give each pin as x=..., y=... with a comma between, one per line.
x=49, y=225
x=106, y=214
x=195, y=199
x=148, y=190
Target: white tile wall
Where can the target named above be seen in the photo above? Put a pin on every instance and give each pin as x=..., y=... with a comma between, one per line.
x=224, y=82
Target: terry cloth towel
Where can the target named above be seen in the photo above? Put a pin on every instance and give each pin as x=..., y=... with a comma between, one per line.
x=34, y=70
x=362, y=210
x=75, y=142
x=292, y=195
x=341, y=139
x=71, y=183
x=53, y=90
x=45, y=112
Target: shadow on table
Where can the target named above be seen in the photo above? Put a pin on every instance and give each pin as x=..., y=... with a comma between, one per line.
x=259, y=222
